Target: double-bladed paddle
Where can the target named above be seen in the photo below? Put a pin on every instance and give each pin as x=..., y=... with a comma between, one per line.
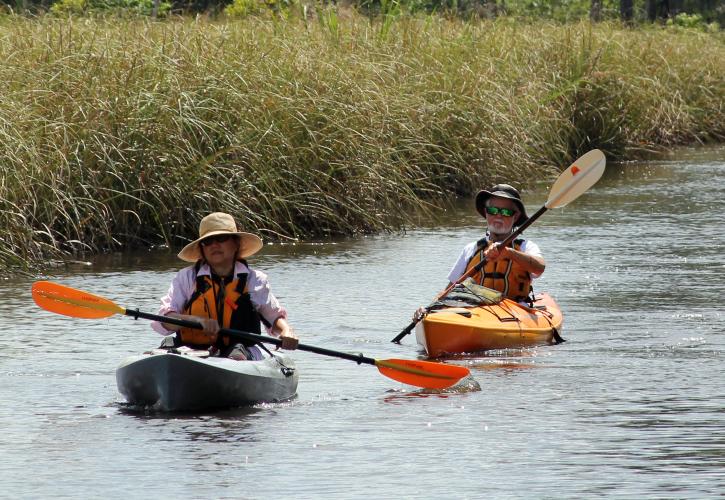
x=572, y=183
x=68, y=301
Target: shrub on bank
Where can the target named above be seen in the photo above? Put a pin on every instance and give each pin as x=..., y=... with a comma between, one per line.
x=107, y=7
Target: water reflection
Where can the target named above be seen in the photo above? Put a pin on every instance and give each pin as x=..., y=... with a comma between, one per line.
x=464, y=386
x=236, y=425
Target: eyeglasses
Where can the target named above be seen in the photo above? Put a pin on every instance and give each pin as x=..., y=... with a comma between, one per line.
x=219, y=238
x=505, y=212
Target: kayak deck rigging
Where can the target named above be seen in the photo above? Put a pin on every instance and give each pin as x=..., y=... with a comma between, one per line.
x=489, y=324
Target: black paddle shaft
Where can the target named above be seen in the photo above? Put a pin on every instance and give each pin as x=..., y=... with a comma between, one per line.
x=249, y=336
x=511, y=237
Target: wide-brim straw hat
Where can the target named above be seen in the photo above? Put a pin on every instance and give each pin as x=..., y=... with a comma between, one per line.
x=221, y=223
x=502, y=191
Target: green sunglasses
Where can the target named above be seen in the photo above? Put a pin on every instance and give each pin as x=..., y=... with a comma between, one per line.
x=505, y=212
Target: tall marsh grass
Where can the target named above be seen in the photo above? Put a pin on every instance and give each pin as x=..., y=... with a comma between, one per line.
x=124, y=133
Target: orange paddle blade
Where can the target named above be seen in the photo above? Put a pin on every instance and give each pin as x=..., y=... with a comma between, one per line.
x=421, y=373
x=71, y=302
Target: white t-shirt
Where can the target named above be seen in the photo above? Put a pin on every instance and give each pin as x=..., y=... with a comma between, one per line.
x=459, y=268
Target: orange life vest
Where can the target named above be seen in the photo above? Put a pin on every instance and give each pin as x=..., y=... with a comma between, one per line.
x=503, y=275
x=227, y=301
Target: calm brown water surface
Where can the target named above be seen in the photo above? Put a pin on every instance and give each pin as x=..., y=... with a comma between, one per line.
x=632, y=406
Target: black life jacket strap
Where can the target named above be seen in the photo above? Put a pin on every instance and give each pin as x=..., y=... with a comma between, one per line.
x=241, y=284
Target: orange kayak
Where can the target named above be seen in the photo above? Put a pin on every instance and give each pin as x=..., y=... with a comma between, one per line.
x=506, y=324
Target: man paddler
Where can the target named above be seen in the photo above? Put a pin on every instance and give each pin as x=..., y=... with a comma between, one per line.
x=509, y=269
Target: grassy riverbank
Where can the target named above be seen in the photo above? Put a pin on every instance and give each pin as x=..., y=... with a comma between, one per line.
x=123, y=133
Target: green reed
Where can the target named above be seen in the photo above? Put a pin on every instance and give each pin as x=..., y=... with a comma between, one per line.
x=124, y=133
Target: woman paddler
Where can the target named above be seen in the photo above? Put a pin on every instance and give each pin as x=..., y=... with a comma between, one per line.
x=220, y=290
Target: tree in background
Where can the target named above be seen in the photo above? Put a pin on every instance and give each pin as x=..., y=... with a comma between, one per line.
x=687, y=13
x=660, y=9
x=595, y=11
x=626, y=10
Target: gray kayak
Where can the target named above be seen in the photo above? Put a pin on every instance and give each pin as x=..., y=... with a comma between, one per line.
x=187, y=381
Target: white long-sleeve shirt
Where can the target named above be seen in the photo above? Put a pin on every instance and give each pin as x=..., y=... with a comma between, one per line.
x=184, y=284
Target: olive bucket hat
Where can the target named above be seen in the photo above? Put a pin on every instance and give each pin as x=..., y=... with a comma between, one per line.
x=221, y=223
x=502, y=191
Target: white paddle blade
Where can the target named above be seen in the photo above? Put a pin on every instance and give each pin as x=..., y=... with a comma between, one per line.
x=575, y=180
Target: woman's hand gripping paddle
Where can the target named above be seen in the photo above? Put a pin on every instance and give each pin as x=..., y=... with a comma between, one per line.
x=572, y=183
x=79, y=304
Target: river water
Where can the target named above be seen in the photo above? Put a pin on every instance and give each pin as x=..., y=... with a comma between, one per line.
x=631, y=406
